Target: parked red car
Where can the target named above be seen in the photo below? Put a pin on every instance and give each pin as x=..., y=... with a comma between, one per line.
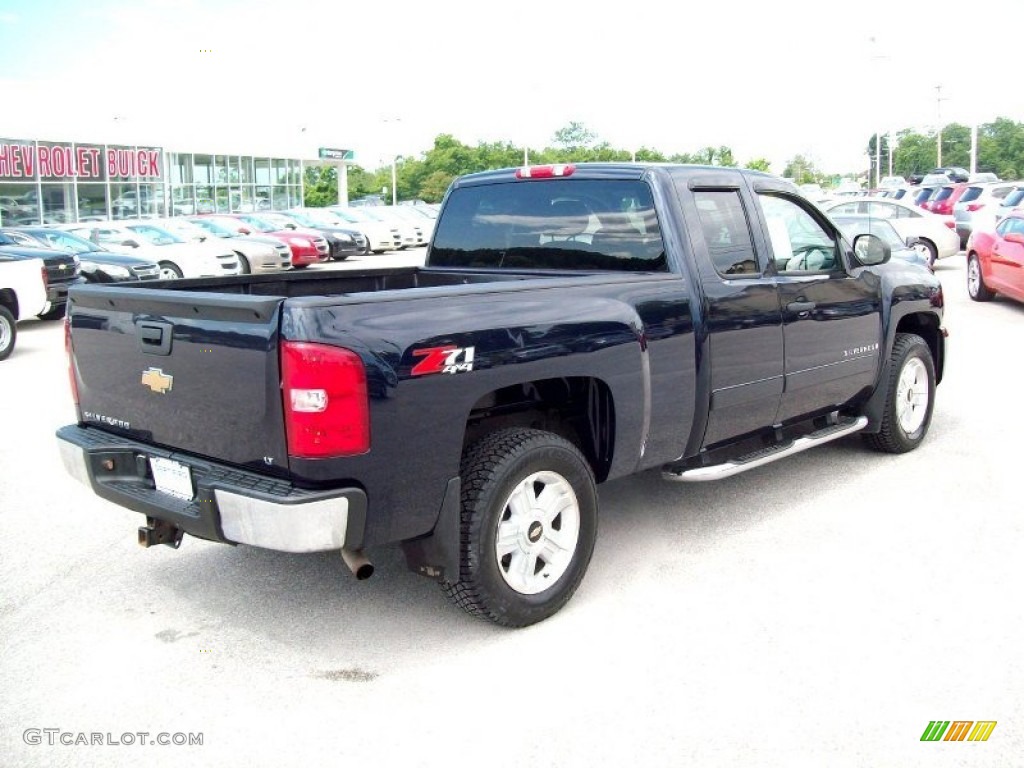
x=995, y=260
x=942, y=202
x=308, y=246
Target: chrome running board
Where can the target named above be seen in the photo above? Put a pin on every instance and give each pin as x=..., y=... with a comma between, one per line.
x=764, y=456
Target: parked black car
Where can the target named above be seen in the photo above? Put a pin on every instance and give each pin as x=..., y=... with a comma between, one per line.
x=62, y=271
x=97, y=264
x=955, y=173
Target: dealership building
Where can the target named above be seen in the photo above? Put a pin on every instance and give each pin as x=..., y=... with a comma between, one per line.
x=52, y=182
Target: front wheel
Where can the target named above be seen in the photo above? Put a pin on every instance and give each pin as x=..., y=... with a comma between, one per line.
x=8, y=333
x=528, y=526
x=909, y=398
x=169, y=271
x=976, y=287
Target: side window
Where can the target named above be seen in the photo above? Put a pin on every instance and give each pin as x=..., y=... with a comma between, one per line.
x=799, y=243
x=727, y=233
x=19, y=238
x=846, y=208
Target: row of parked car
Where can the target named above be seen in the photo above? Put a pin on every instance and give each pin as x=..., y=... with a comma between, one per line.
x=987, y=215
x=187, y=246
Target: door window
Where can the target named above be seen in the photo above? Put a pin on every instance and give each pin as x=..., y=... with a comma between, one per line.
x=727, y=233
x=799, y=243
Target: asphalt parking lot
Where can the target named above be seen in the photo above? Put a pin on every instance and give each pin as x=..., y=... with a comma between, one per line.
x=818, y=611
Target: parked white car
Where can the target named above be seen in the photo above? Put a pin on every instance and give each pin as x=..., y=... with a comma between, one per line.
x=22, y=295
x=255, y=254
x=381, y=236
x=931, y=235
x=176, y=257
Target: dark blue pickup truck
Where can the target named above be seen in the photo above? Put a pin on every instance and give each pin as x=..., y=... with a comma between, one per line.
x=572, y=324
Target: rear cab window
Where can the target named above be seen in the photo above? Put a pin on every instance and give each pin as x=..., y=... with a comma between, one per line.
x=559, y=224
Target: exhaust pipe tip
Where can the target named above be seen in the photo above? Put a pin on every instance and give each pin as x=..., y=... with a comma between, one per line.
x=357, y=562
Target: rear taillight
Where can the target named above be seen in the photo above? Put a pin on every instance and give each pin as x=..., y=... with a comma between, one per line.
x=972, y=207
x=326, y=406
x=71, y=360
x=46, y=279
x=544, y=171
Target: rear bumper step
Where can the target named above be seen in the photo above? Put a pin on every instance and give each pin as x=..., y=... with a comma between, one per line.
x=765, y=455
x=228, y=504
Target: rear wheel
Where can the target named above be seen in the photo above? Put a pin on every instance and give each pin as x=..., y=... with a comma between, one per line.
x=169, y=271
x=8, y=333
x=528, y=526
x=976, y=287
x=927, y=250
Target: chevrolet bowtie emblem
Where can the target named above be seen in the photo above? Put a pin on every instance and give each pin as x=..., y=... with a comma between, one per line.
x=157, y=380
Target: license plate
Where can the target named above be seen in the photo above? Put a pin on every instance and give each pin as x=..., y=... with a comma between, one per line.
x=172, y=477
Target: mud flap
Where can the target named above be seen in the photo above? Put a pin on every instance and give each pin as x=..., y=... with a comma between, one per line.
x=436, y=555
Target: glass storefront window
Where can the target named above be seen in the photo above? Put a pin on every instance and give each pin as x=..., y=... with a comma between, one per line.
x=204, y=169
x=58, y=205
x=262, y=170
x=124, y=201
x=92, y=202
x=246, y=170
x=19, y=204
x=223, y=200
x=181, y=168
x=183, y=201
x=280, y=171
x=151, y=200
x=204, y=200
x=220, y=169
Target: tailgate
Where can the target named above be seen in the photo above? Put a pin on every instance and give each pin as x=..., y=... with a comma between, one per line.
x=197, y=372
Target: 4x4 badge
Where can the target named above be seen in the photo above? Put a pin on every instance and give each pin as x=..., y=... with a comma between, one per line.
x=157, y=380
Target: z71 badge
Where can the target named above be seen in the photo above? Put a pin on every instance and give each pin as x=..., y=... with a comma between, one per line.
x=443, y=360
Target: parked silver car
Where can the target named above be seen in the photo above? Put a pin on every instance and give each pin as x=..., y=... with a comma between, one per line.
x=255, y=254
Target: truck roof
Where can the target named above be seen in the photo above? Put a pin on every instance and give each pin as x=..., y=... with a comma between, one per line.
x=703, y=174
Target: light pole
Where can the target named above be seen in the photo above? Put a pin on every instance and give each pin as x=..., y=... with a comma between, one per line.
x=394, y=179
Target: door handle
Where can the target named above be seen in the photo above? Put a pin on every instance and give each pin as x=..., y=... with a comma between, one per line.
x=801, y=306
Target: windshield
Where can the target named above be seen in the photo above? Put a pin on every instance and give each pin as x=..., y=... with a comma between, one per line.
x=54, y=238
x=551, y=224
x=312, y=218
x=155, y=235
x=214, y=228
x=259, y=223
x=1014, y=198
x=282, y=221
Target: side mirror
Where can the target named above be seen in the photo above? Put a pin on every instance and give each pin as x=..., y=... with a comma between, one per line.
x=245, y=230
x=870, y=250
x=1014, y=237
x=130, y=243
x=291, y=226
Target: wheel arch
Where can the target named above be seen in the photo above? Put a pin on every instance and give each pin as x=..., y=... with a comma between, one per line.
x=9, y=299
x=579, y=408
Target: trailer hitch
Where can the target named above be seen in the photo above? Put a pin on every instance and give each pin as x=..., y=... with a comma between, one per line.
x=159, y=532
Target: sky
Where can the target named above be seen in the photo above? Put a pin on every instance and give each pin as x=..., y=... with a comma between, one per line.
x=769, y=79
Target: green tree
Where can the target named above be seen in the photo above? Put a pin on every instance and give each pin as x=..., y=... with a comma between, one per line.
x=801, y=170
x=320, y=185
x=759, y=164
x=574, y=136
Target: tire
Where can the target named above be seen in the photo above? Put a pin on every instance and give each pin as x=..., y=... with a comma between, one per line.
x=976, y=287
x=516, y=583
x=8, y=332
x=299, y=266
x=169, y=271
x=55, y=313
x=909, y=396
x=243, y=265
x=927, y=250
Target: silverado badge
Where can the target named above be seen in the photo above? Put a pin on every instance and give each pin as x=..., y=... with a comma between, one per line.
x=157, y=380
